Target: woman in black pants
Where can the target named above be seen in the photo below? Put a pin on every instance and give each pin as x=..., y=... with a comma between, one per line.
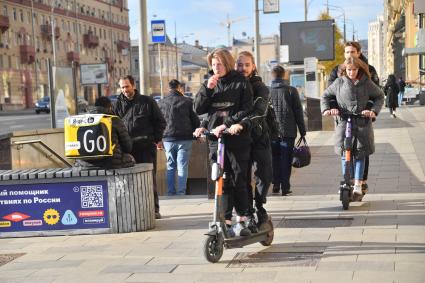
x=227, y=97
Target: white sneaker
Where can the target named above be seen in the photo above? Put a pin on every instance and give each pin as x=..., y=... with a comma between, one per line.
x=357, y=190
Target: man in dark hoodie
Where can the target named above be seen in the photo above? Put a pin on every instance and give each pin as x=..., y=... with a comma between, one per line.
x=181, y=123
x=145, y=124
x=354, y=49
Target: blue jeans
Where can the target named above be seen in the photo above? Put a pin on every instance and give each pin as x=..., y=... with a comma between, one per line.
x=356, y=170
x=282, y=152
x=400, y=97
x=178, y=155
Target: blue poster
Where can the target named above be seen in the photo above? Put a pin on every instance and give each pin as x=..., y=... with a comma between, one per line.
x=54, y=206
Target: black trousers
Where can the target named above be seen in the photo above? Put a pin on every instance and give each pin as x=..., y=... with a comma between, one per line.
x=366, y=168
x=236, y=160
x=143, y=153
x=261, y=162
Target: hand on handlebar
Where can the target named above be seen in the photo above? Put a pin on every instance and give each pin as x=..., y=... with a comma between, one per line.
x=331, y=112
x=368, y=113
x=218, y=130
x=235, y=129
x=198, y=132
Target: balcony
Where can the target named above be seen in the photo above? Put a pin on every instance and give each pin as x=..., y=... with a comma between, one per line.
x=46, y=32
x=27, y=54
x=4, y=23
x=90, y=40
x=110, y=62
x=73, y=56
x=121, y=44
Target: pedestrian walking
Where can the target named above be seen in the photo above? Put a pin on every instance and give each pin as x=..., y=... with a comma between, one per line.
x=289, y=112
x=402, y=86
x=391, y=90
x=178, y=136
x=145, y=124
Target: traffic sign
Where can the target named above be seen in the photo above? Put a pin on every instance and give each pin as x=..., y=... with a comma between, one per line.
x=158, y=31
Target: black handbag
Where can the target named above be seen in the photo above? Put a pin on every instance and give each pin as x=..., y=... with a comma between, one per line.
x=302, y=154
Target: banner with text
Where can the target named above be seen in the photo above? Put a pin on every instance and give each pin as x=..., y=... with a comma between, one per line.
x=54, y=206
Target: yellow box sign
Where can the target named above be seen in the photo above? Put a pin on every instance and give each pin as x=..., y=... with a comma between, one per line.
x=88, y=136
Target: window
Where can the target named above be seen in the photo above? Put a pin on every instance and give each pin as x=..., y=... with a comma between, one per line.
x=14, y=14
x=29, y=16
x=189, y=77
x=5, y=10
x=1, y=61
x=21, y=14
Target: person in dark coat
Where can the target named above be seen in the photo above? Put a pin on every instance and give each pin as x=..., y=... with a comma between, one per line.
x=227, y=97
x=121, y=141
x=145, y=124
x=352, y=92
x=261, y=158
x=354, y=49
x=391, y=90
x=290, y=116
x=178, y=135
x=402, y=86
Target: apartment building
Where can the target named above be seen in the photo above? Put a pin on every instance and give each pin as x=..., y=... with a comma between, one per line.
x=376, y=46
x=66, y=32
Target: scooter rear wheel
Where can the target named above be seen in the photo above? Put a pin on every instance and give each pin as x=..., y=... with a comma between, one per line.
x=270, y=235
x=345, y=199
x=213, y=248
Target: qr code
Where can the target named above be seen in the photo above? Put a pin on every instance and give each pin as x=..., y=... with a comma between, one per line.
x=91, y=196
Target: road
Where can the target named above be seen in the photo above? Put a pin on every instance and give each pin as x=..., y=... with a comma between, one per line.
x=24, y=122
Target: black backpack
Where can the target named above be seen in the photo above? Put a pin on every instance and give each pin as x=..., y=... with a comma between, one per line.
x=272, y=124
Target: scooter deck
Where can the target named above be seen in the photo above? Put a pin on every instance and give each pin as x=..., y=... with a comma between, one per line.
x=241, y=241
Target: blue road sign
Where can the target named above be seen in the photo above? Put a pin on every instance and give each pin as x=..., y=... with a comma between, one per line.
x=158, y=31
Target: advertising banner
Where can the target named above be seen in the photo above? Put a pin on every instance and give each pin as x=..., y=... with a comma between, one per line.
x=54, y=206
x=93, y=74
x=64, y=99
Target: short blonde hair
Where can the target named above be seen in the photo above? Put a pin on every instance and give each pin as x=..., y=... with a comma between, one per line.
x=225, y=58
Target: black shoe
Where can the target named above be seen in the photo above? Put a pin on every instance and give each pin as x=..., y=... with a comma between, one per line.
x=285, y=193
x=157, y=215
x=365, y=188
x=262, y=216
x=252, y=224
x=276, y=189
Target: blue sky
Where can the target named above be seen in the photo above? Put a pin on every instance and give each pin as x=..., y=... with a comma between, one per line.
x=200, y=19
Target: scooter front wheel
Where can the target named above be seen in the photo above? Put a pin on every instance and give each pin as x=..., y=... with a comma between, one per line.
x=345, y=199
x=213, y=248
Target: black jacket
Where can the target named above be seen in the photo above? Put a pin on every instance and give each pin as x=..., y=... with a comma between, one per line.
x=336, y=72
x=181, y=119
x=121, y=143
x=259, y=110
x=391, y=90
x=142, y=117
x=228, y=103
x=287, y=105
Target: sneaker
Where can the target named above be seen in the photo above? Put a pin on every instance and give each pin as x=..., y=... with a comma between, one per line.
x=262, y=216
x=157, y=215
x=357, y=190
x=241, y=230
x=276, y=189
x=252, y=224
x=230, y=233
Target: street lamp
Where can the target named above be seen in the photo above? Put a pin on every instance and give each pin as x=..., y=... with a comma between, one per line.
x=52, y=23
x=343, y=13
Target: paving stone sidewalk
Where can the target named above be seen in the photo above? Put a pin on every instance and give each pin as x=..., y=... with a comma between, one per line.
x=381, y=239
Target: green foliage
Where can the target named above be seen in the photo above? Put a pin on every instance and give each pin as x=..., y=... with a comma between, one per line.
x=339, y=47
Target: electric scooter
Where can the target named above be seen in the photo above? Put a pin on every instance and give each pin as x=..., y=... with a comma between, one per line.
x=218, y=236
x=346, y=186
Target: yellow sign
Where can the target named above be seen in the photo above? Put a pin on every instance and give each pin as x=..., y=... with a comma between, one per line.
x=5, y=224
x=51, y=216
x=88, y=136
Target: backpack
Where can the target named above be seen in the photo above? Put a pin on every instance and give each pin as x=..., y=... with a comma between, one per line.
x=272, y=124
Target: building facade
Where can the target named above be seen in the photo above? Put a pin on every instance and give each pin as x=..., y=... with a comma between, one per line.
x=404, y=40
x=66, y=33
x=376, y=46
x=167, y=66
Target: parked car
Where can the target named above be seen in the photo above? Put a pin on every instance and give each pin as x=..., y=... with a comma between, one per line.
x=113, y=98
x=157, y=98
x=43, y=105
